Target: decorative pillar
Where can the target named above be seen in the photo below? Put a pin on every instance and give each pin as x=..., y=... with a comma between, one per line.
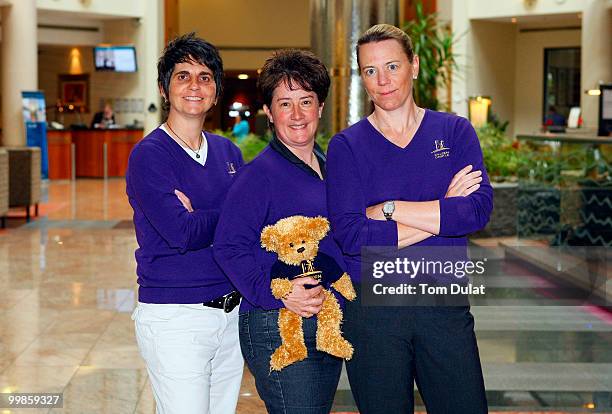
x=152, y=38
x=19, y=50
x=336, y=26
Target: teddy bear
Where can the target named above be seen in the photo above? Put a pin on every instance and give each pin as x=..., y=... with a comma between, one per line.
x=295, y=240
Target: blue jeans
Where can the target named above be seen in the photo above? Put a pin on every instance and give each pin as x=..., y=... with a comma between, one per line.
x=305, y=387
x=398, y=346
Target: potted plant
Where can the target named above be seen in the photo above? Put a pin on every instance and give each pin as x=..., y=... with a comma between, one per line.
x=432, y=42
x=502, y=157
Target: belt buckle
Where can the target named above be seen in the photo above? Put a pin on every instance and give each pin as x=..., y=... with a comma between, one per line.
x=228, y=305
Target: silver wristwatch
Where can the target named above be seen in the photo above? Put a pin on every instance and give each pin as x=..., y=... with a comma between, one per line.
x=388, y=209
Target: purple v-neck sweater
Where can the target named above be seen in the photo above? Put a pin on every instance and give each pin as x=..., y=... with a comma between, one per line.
x=364, y=169
x=175, y=260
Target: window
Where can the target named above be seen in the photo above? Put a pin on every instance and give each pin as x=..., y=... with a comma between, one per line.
x=561, y=84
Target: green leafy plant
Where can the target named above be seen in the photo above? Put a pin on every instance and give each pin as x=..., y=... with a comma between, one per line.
x=323, y=140
x=503, y=156
x=432, y=42
x=250, y=146
x=253, y=144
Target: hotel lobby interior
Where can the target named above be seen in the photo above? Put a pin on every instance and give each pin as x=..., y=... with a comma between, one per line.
x=67, y=269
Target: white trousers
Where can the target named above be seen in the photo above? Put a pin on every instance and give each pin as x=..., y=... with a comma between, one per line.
x=192, y=355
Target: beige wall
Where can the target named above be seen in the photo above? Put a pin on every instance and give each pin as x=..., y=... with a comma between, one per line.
x=96, y=8
x=529, y=74
x=485, y=68
x=262, y=23
x=490, y=68
x=596, y=56
x=487, y=9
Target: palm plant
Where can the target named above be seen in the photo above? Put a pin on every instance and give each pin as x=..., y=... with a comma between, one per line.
x=432, y=42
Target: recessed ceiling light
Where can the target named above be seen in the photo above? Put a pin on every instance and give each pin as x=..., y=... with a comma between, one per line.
x=243, y=76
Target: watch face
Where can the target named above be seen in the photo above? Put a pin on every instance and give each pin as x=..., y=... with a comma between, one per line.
x=388, y=208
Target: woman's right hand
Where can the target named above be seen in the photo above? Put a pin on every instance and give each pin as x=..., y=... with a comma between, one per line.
x=302, y=301
x=185, y=201
x=464, y=183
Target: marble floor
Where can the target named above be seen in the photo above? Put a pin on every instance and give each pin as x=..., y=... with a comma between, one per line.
x=67, y=290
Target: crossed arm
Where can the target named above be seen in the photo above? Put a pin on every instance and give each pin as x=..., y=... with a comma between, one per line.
x=419, y=220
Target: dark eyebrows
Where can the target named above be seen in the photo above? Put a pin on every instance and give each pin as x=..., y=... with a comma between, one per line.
x=186, y=72
x=310, y=95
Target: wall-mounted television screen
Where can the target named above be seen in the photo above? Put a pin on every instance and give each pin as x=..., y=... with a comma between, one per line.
x=115, y=58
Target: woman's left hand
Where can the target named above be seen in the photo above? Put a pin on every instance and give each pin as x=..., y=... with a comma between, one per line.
x=375, y=212
x=185, y=201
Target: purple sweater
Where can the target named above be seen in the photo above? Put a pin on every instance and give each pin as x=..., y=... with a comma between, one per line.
x=267, y=189
x=175, y=260
x=364, y=169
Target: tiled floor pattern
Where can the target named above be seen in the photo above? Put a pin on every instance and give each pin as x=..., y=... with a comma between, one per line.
x=67, y=289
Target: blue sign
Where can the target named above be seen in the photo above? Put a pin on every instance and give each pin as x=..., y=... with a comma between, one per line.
x=36, y=125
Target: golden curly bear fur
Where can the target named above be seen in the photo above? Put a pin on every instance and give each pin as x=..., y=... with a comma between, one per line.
x=295, y=239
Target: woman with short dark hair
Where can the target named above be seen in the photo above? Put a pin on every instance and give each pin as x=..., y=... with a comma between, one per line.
x=178, y=175
x=286, y=179
x=407, y=176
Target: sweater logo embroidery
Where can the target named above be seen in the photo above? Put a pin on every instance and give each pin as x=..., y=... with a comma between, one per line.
x=440, y=151
x=231, y=170
x=308, y=270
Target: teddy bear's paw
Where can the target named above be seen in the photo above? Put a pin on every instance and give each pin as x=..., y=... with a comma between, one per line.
x=336, y=346
x=284, y=356
x=345, y=287
x=281, y=288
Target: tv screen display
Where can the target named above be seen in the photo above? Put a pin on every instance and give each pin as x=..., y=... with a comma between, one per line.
x=115, y=58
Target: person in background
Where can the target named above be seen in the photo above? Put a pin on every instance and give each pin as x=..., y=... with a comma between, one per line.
x=104, y=118
x=177, y=178
x=554, y=118
x=241, y=128
x=407, y=176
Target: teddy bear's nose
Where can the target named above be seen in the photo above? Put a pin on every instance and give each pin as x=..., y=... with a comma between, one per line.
x=301, y=249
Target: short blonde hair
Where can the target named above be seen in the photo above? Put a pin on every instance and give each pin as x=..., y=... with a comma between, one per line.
x=381, y=32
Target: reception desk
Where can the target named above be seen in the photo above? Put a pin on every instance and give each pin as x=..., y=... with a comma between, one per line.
x=59, y=144
x=100, y=151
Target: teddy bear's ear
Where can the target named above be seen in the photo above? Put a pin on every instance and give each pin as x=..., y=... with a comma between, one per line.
x=268, y=238
x=318, y=226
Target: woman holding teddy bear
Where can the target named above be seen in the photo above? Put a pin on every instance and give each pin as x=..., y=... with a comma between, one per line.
x=286, y=180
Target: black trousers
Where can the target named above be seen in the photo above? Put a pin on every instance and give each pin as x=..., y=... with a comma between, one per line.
x=396, y=346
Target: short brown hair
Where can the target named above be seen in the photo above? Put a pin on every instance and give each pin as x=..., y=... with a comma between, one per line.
x=381, y=32
x=293, y=66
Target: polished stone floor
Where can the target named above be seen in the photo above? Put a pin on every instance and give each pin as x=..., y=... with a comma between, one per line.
x=67, y=289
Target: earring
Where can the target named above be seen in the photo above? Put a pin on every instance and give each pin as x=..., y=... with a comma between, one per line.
x=414, y=77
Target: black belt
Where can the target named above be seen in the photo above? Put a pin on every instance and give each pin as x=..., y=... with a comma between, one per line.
x=226, y=302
